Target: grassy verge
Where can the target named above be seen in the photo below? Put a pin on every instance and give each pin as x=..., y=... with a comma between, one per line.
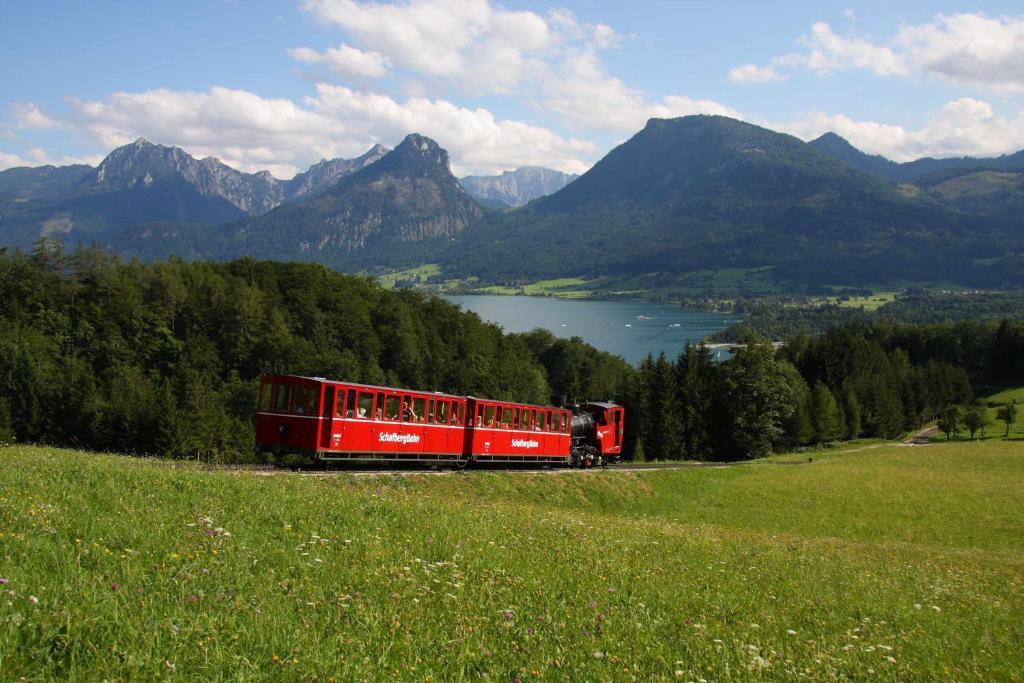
x=890, y=562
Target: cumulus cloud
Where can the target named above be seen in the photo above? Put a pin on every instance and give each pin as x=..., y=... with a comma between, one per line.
x=253, y=133
x=581, y=92
x=752, y=73
x=964, y=48
x=344, y=60
x=962, y=127
x=472, y=43
x=28, y=115
x=969, y=48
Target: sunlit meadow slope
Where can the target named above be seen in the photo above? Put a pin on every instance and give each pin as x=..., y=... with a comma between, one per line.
x=888, y=563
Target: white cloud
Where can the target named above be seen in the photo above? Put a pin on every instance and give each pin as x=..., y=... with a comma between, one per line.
x=344, y=60
x=580, y=91
x=253, y=133
x=471, y=43
x=962, y=127
x=828, y=52
x=752, y=73
x=548, y=61
x=969, y=48
x=964, y=48
x=28, y=115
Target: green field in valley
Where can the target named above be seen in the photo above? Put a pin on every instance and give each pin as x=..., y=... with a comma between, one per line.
x=887, y=562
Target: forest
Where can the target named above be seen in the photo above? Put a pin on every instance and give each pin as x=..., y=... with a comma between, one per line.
x=164, y=358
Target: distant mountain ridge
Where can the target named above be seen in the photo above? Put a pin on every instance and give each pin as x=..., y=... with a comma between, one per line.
x=144, y=183
x=838, y=147
x=406, y=197
x=682, y=196
x=518, y=187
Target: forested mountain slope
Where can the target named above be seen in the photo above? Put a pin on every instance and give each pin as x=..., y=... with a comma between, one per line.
x=704, y=192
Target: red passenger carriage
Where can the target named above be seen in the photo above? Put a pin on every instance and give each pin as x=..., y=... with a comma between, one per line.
x=333, y=421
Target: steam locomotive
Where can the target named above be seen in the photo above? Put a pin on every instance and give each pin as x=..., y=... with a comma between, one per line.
x=326, y=421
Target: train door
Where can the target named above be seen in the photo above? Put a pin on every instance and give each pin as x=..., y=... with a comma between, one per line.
x=329, y=434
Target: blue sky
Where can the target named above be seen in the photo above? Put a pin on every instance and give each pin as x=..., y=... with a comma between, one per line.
x=280, y=84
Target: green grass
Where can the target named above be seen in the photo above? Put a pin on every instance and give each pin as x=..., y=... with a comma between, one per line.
x=418, y=274
x=883, y=562
x=868, y=303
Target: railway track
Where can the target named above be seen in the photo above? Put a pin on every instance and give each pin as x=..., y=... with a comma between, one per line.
x=434, y=470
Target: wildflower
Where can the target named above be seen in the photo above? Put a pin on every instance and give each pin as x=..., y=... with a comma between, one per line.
x=4, y=582
x=529, y=630
x=114, y=586
x=592, y=604
x=917, y=605
x=33, y=599
x=791, y=632
x=193, y=598
x=598, y=655
x=169, y=664
x=508, y=614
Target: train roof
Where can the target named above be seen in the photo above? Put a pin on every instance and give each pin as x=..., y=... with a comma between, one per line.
x=603, y=404
x=426, y=392
x=375, y=387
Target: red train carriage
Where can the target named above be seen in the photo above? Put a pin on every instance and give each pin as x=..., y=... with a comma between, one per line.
x=516, y=432
x=325, y=420
x=342, y=421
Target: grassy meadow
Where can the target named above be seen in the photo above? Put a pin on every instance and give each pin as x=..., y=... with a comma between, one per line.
x=883, y=563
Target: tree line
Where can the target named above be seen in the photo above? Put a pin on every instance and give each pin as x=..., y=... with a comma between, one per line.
x=857, y=380
x=164, y=358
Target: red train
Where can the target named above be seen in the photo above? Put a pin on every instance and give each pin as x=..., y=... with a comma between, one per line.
x=328, y=421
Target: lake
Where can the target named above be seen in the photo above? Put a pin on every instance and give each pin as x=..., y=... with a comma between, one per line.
x=630, y=329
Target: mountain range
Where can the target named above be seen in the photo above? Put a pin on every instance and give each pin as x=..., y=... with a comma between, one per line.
x=682, y=195
x=516, y=188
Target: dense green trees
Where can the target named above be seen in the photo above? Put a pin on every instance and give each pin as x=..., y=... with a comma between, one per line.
x=164, y=358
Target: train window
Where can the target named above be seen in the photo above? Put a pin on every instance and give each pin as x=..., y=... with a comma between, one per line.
x=365, y=406
x=507, y=415
x=265, y=394
x=391, y=407
x=328, y=406
x=458, y=412
x=282, y=398
x=305, y=399
x=419, y=410
x=542, y=420
x=488, y=416
x=429, y=418
x=525, y=419
x=442, y=410
x=351, y=404
x=556, y=422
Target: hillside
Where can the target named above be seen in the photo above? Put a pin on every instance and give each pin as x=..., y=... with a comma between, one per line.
x=705, y=192
x=888, y=562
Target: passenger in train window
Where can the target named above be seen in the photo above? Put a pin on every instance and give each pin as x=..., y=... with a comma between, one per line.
x=418, y=410
x=542, y=421
x=456, y=414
